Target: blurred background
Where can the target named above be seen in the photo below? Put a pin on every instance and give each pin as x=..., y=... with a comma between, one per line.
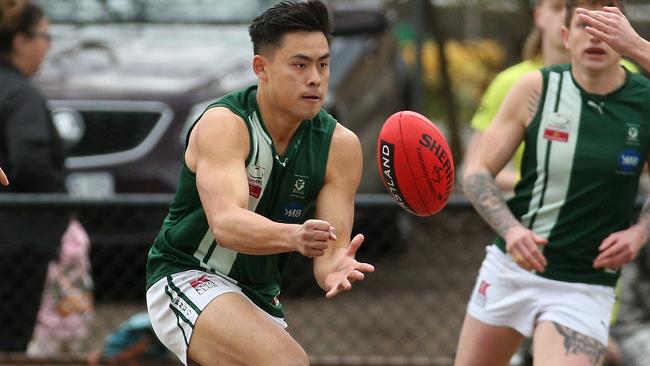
x=126, y=78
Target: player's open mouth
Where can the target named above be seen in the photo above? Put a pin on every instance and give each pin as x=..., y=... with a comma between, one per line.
x=595, y=51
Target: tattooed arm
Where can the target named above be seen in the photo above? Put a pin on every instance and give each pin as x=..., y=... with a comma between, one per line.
x=507, y=128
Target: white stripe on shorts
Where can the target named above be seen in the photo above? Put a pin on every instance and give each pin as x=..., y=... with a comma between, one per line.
x=175, y=302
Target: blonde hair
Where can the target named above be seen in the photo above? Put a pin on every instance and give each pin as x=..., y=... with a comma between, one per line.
x=533, y=45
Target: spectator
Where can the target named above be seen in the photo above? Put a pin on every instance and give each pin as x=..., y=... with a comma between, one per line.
x=32, y=155
x=543, y=47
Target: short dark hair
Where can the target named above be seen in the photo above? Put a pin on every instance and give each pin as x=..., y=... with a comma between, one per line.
x=285, y=17
x=17, y=16
x=571, y=5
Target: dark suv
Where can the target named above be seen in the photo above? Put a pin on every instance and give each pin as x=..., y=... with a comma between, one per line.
x=125, y=78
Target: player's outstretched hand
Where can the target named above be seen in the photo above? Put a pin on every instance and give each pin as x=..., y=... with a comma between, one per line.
x=313, y=236
x=346, y=270
x=612, y=27
x=621, y=247
x=523, y=247
x=3, y=178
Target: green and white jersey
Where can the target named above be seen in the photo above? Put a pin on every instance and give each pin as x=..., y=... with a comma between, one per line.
x=580, y=171
x=281, y=188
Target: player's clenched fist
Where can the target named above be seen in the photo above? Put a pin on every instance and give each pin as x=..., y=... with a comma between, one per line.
x=312, y=237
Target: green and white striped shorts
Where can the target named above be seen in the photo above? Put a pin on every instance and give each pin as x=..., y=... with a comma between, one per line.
x=175, y=302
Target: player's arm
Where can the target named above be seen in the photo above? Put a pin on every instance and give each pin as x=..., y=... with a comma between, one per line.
x=217, y=152
x=337, y=269
x=494, y=149
x=621, y=247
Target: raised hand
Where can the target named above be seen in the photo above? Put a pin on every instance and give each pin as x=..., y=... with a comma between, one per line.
x=313, y=236
x=346, y=270
x=612, y=27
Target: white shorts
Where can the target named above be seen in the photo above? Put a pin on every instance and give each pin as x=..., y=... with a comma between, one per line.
x=507, y=295
x=175, y=302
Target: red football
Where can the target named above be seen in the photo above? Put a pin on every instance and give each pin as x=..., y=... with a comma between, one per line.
x=415, y=163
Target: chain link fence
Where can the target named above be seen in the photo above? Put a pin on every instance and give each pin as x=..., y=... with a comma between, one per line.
x=408, y=312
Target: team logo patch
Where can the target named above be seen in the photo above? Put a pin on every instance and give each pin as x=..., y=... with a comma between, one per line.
x=299, y=186
x=633, y=134
x=629, y=160
x=202, y=284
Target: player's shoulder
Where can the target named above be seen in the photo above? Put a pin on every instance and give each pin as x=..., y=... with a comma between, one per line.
x=343, y=137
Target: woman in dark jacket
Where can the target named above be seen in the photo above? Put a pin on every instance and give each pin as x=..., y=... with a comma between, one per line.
x=31, y=154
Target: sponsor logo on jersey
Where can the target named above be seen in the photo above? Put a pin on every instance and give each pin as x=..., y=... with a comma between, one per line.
x=293, y=212
x=555, y=135
x=299, y=185
x=629, y=160
x=202, y=284
x=254, y=190
x=557, y=127
x=558, y=121
x=255, y=180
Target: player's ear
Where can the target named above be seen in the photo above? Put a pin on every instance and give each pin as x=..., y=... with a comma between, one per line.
x=260, y=64
x=565, y=37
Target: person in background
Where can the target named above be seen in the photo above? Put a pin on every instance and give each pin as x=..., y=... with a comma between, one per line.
x=611, y=26
x=543, y=47
x=32, y=155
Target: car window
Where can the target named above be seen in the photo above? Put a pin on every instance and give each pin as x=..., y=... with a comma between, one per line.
x=153, y=11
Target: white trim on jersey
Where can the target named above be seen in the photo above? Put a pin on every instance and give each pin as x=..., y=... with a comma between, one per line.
x=550, y=191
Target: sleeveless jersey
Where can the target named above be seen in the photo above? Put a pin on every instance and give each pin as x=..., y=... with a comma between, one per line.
x=281, y=188
x=580, y=171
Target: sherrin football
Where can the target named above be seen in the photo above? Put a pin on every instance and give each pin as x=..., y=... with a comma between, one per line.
x=415, y=163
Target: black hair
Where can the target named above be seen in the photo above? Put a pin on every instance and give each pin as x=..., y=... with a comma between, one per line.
x=268, y=28
x=17, y=16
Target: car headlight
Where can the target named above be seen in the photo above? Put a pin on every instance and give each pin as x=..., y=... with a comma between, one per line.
x=70, y=125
